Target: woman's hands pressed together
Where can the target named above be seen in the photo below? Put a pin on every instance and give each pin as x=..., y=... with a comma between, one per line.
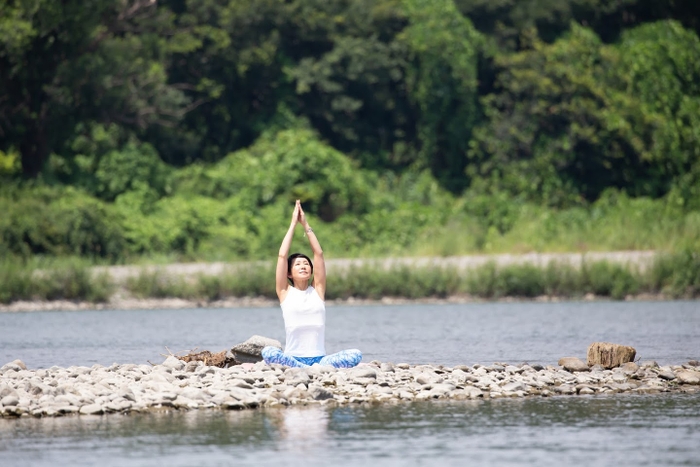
x=297, y=214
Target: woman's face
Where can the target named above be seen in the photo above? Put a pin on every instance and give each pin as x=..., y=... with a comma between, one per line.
x=301, y=269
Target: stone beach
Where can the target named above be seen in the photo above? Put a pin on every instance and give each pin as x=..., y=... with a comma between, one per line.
x=176, y=385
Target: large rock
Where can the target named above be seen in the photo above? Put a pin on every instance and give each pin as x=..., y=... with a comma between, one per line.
x=250, y=351
x=174, y=363
x=573, y=364
x=686, y=377
x=609, y=355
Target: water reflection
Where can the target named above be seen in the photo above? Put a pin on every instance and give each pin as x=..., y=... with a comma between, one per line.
x=300, y=430
x=629, y=430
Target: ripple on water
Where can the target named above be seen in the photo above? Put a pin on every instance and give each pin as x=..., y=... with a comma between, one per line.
x=602, y=430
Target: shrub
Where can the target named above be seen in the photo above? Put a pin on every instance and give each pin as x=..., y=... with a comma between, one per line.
x=677, y=274
x=58, y=223
x=606, y=279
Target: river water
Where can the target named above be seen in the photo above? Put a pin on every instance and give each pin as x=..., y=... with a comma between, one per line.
x=635, y=430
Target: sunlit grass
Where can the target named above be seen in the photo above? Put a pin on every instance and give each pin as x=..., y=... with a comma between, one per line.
x=65, y=280
x=631, y=224
x=675, y=275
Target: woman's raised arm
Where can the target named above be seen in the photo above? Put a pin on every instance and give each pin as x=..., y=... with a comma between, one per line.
x=319, y=263
x=281, y=283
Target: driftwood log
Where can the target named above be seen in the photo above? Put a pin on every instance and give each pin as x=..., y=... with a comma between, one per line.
x=249, y=351
x=609, y=355
x=223, y=359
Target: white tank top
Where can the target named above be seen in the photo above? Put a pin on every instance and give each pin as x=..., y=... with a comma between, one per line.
x=304, y=323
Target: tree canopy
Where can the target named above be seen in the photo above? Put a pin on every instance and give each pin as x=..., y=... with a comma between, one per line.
x=545, y=101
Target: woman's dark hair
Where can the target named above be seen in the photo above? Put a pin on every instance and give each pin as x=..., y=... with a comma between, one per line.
x=290, y=261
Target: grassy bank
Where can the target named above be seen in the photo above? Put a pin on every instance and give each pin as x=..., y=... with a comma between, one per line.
x=59, y=280
x=674, y=275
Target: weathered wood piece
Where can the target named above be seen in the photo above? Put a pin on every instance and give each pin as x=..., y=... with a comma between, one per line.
x=609, y=355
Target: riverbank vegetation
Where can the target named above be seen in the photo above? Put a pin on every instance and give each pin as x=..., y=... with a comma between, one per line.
x=671, y=275
x=156, y=132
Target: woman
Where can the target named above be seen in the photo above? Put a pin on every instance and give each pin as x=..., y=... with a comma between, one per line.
x=303, y=307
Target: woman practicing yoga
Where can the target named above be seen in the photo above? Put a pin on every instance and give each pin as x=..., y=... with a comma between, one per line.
x=303, y=305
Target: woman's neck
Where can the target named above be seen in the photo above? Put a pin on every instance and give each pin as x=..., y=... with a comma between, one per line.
x=301, y=285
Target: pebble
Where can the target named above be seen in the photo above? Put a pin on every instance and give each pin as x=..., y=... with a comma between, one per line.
x=175, y=385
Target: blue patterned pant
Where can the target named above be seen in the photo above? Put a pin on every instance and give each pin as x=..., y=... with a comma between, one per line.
x=343, y=359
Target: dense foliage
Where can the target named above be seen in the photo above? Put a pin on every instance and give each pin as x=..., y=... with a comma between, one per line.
x=144, y=127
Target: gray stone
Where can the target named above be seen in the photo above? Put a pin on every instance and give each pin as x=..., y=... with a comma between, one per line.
x=6, y=390
x=239, y=383
x=68, y=399
x=564, y=389
x=619, y=377
x=473, y=392
x=629, y=367
x=318, y=370
x=9, y=367
x=250, y=351
x=609, y=355
x=127, y=394
x=174, y=363
x=20, y=364
x=573, y=364
x=684, y=377
x=362, y=372
x=514, y=386
x=233, y=404
x=427, y=378
x=442, y=388
x=363, y=381
x=319, y=394
x=67, y=409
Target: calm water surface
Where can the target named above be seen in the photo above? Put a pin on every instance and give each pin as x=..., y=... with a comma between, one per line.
x=601, y=430
x=668, y=332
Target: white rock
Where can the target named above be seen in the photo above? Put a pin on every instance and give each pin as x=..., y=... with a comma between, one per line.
x=362, y=372
x=514, y=386
x=684, y=377
x=428, y=378
x=91, y=409
x=9, y=401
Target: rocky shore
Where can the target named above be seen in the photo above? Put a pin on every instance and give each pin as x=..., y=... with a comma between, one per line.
x=174, y=384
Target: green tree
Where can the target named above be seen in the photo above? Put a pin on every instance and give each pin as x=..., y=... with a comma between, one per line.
x=442, y=83
x=505, y=21
x=556, y=131
x=573, y=118
x=62, y=64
